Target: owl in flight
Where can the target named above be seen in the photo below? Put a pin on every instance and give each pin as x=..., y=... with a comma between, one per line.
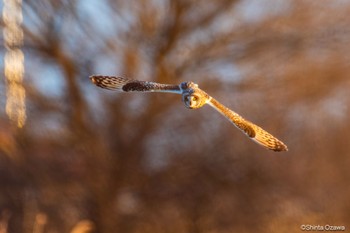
x=193, y=98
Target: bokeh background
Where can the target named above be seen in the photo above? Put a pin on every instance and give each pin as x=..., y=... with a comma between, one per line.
x=92, y=160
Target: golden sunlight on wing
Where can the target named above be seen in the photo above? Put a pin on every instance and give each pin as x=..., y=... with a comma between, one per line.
x=253, y=131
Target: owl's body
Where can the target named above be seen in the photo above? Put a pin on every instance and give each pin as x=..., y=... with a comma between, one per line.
x=193, y=98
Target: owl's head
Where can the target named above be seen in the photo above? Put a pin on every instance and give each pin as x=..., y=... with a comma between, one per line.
x=192, y=96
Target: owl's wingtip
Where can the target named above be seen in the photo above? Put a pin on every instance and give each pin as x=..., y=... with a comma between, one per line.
x=283, y=148
x=92, y=79
x=268, y=141
x=278, y=146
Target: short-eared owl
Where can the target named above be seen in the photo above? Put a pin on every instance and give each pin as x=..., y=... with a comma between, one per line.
x=193, y=98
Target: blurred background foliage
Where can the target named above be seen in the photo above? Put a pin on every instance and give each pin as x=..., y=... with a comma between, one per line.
x=90, y=160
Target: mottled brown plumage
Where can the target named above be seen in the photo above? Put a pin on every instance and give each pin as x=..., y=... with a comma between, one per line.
x=193, y=98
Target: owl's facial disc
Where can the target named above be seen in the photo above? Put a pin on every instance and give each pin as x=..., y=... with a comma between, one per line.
x=192, y=96
x=193, y=100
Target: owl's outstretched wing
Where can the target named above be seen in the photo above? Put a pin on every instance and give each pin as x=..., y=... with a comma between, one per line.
x=194, y=98
x=253, y=131
x=127, y=85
